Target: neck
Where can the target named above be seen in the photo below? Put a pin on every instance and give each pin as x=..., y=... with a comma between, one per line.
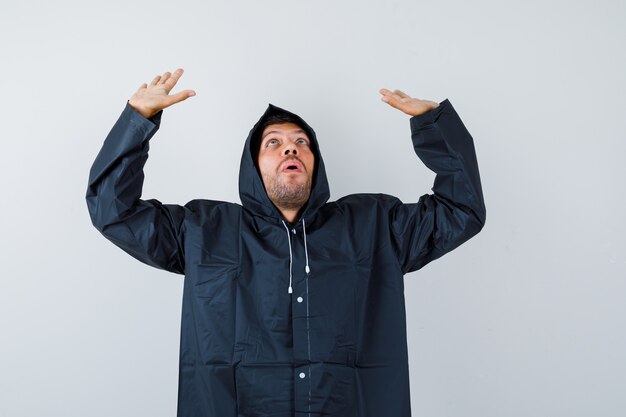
x=289, y=215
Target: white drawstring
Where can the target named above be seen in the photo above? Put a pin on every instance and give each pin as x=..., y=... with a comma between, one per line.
x=306, y=253
x=290, y=290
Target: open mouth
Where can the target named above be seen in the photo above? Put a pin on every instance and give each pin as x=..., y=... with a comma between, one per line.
x=292, y=166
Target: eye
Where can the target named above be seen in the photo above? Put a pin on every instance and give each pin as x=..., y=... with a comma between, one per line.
x=302, y=141
x=271, y=142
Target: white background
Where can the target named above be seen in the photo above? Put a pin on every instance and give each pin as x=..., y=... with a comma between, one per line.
x=526, y=319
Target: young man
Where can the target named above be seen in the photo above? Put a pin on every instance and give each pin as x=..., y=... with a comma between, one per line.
x=292, y=305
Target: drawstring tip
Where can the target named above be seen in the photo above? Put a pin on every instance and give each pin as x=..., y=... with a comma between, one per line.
x=307, y=269
x=290, y=290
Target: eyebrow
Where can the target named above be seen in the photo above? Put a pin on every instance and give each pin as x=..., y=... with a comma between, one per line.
x=295, y=132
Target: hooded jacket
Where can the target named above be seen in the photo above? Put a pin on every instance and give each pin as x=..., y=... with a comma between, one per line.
x=336, y=345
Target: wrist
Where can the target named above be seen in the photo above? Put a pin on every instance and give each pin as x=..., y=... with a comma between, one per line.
x=147, y=113
x=433, y=106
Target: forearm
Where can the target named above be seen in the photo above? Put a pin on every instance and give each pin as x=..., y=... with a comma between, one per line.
x=147, y=229
x=116, y=176
x=445, y=146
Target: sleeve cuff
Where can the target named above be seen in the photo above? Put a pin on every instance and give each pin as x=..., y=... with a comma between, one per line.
x=136, y=117
x=430, y=116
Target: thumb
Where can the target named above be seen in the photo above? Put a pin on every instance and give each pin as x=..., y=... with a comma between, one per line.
x=392, y=98
x=178, y=97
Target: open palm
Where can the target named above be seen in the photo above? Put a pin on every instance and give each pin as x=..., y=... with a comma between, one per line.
x=150, y=99
x=404, y=102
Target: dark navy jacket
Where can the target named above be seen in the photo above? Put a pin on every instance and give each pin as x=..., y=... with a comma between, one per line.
x=336, y=346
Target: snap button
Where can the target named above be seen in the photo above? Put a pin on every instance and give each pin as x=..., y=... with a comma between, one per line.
x=302, y=375
x=300, y=299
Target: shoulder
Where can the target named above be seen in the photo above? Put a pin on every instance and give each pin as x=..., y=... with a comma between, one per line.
x=364, y=204
x=201, y=208
x=368, y=199
x=202, y=204
x=365, y=215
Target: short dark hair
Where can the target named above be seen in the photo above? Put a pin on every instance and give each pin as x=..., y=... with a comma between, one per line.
x=274, y=119
x=279, y=118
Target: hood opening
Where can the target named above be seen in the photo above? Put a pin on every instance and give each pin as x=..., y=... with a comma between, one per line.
x=251, y=189
x=278, y=117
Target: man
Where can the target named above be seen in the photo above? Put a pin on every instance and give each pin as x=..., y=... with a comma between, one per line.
x=292, y=305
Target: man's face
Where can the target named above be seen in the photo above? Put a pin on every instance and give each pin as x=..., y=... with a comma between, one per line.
x=286, y=163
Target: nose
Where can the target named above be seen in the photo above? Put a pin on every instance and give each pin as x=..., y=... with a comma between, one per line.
x=291, y=149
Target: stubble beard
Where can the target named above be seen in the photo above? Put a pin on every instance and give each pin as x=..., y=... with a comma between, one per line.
x=288, y=196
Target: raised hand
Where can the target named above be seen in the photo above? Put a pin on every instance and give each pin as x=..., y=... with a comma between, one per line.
x=407, y=104
x=148, y=100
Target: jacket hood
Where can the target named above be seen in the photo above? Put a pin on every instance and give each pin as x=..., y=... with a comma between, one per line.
x=251, y=189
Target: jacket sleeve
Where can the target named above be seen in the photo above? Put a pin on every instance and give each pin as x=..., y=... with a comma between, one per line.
x=148, y=230
x=440, y=222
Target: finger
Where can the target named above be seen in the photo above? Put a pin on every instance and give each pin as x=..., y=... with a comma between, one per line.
x=395, y=101
x=155, y=80
x=178, y=97
x=385, y=92
x=141, y=87
x=164, y=77
x=401, y=94
x=386, y=95
x=389, y=97
x=171, y=81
